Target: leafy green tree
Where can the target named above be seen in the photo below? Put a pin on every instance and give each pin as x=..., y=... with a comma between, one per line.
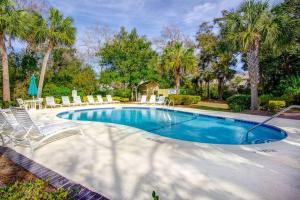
x=128, y=58
x=223, y=71
x=85, y=81
x=59, y=31
x=283, y=60
x=248, y=28
x=10, y=23
x=178, y=60
x=208, y=45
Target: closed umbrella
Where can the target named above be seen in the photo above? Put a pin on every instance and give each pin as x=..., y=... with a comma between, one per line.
x=32, y=90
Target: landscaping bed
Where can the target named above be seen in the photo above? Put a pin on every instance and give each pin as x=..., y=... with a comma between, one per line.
x=11, y=173
x=18, y=183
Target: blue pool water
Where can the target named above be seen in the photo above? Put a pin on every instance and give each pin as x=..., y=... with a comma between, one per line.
x=181, y=125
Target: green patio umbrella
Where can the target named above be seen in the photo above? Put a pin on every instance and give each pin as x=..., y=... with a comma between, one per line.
x=32, y=90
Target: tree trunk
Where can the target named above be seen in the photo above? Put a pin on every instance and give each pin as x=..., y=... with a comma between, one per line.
x=220, y=88
x=201, y=88
x=253, y=69
x=177, y=81
x=208, y=90
x=43, y=71
x=5, y=70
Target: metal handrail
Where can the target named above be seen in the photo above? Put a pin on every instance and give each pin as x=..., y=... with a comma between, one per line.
x=276, y=115
x=171, y=101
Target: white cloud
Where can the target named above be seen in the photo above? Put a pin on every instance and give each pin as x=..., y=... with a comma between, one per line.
x=209, y=10
x=199, y=12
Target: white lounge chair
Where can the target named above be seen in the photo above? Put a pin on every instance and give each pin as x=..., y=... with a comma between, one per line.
x=110, y=100
x=51, y=103
x=161, y=100
x=100, y=99
x=77, y=101
x=152, y=99
x=66, y=101
x=9, y=129
x=5, y=129
x=143, y=99
x=91, y=100
x=35, y=135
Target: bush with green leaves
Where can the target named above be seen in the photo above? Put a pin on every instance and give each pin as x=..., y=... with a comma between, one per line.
x=155, y=196
x=184, y=99
x=37, y=189
x=125, y=93
x=264, y=100
x=239, y=102
x=275, y=106
x=51, y=89
x=121, y=99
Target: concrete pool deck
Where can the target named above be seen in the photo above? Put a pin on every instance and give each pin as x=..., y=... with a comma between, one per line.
x=126, y=163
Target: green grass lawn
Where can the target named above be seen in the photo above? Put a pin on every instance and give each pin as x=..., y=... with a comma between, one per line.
x=211, y=105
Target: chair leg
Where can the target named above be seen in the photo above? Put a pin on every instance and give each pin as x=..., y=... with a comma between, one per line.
x=81, y=132
x=2, y=139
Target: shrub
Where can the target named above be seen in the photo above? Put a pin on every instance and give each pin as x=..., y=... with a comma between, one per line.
x=32, y=190
x=121, y=99
x=155, y=196
x=296, y=98
x=264, y=100
x=57, y=100
x=184, y=99
x=84, y=99
x=239, y=102
x=275, y=106
x=292, y=97
x=125, y=93
x=56, y=91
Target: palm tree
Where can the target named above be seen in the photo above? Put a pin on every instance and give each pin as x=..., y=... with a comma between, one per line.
x=34, y=31
x=178, y=60
x=10, y=24
x=248, y=28
x=59, y=31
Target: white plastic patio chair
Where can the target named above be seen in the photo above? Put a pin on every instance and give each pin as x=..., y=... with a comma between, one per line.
x=66, y=101
x=110, y=100
x=35, y=135
x=152, y=99
x=51, y=103
x=161, y=100
x=21, y=103
x=100, y=99
x=77, y=101
x=143, y=99
x=91, y=100
x=39, y=103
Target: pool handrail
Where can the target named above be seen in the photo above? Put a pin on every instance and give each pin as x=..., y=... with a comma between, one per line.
x=270, y=118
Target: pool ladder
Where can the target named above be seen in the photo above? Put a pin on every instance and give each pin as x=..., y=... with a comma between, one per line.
x=168, y=103
x=276, y=115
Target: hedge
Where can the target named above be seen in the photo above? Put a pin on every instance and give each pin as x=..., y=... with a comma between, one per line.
x=275, y=106
x=184, y=99
x=239, y=102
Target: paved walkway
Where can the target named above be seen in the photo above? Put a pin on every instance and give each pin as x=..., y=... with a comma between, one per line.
x=125, y=163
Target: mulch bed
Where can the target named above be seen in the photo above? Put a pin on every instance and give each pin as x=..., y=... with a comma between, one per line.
x=292, y=114
x=11, y=172
x=16, y=167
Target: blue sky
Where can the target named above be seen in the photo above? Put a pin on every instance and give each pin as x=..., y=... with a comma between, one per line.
x=148, y=16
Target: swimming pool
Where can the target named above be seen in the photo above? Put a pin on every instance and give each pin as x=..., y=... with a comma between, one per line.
x=181, y=125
